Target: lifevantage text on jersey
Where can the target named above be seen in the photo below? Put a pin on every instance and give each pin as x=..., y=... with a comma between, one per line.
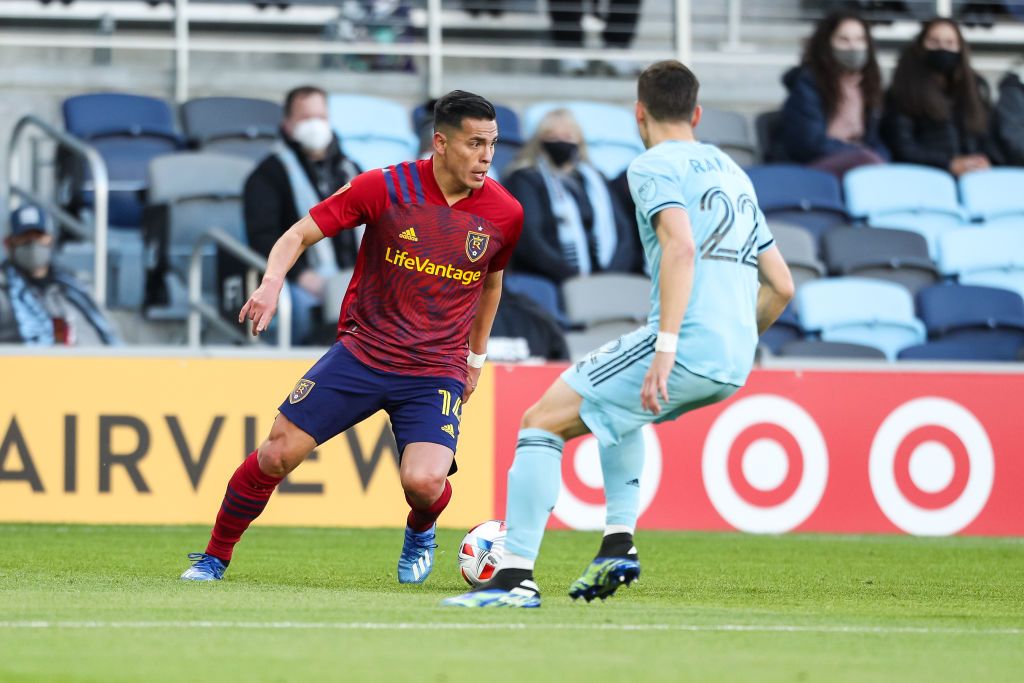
x=403, y=259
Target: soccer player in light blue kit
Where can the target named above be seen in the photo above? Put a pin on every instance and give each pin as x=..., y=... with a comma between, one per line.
x=718, y=282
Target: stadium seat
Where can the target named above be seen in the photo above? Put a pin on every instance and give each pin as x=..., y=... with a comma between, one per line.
x=995, y=196
x=610, y=132
x=905, y=196
x=769, y=141
x=795, y=194
x=955, y=349
x=786, y=329
x=606, y=297
x=374, y=132
x=989, y=317
x=860, y=311
x=541, y=290
x=899, y=256
x=730, y=132
x=816, y=348
x=127, y=132
x=190, y=193
x=232, y=125
x=992, y=257
x=799, y=249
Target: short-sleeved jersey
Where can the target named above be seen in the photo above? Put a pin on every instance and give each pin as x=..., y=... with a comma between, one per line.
x=421, y=266
x=718, y=336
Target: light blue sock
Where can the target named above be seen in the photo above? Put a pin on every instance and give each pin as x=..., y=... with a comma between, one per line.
x=621, y=466
x=533, y=483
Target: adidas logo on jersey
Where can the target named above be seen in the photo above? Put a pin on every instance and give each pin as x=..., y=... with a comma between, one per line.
x=409, y=234
x=449, y=430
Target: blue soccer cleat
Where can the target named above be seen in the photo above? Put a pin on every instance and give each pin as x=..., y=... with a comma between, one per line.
x=604, y=576
x=417, y=558
x=204, y=568
x=508, y=588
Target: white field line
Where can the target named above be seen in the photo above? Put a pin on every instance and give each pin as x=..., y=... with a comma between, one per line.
x=516, y=626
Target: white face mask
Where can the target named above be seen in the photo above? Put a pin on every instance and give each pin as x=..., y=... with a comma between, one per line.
x=314, y=135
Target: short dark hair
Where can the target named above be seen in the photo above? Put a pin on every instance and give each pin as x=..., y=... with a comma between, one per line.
x=459, y=104
x=668, y=90
x=301, y=91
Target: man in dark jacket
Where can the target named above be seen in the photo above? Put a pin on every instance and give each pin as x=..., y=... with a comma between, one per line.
x=304, y=168
x=1008, y=118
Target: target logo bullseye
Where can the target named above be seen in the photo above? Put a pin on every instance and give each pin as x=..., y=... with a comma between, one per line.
x=765, y=464
x=931, y=467
x=580, y=498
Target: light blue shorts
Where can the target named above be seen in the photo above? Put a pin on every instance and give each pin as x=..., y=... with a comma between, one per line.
x=610, y=380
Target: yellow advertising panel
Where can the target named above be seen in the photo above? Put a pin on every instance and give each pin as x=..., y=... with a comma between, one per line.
x=155, y=440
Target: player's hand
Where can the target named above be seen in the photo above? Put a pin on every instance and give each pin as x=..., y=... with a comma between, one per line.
x=261, y=306
x=656, y=382
x=471, y=382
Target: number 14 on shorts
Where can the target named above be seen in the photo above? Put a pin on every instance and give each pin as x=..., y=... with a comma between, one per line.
x=446, y=405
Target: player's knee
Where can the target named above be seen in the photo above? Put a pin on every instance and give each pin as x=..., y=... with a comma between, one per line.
x=536, y=417
x=274, y=458
x=423, y=487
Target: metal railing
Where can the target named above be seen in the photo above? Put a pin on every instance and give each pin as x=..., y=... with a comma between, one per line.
x=200, y=310
x=97, y=232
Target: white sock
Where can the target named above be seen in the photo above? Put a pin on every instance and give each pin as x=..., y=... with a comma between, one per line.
x=513, y=561
x=618, y=529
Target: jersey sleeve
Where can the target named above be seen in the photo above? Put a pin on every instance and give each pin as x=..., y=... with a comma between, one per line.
x=356, y=203
x=514, y=228
x=654, y=186
x=765, y=238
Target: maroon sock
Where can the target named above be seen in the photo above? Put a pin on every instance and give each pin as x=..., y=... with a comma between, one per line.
x=247, y=494
x=421, y=519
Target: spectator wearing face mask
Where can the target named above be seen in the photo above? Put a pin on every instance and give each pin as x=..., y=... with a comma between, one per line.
x=831, y=117
x=39, y=303
x=572, y=224
x=304, y=168
x=937, y=109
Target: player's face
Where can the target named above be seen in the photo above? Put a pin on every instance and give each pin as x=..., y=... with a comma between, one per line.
x=467, y=153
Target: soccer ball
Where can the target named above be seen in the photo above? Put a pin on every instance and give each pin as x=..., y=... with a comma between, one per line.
x=481, y=551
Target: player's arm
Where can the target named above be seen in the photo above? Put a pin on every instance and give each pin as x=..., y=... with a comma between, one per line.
x=776, y=289
x=678, y=252
x=480, y=331
x=262, y=305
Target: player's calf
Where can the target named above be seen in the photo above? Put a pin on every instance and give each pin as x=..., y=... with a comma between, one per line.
x=617, y=564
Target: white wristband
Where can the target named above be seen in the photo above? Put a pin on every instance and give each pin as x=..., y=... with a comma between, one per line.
x=666, y=342
x=476, y=360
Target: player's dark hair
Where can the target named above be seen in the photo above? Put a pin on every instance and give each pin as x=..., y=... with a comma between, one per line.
x=820, y=59
x=668, y=90
x=296, y=93
x=451, y=109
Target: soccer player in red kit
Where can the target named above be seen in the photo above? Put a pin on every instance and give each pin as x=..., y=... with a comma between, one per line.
x=413, y=329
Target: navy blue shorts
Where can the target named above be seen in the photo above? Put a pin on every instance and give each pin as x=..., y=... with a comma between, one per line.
x=340, y=391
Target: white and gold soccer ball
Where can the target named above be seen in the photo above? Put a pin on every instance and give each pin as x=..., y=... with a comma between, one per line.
x=481, y=551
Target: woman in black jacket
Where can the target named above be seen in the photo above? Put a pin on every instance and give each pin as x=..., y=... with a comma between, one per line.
x=937, y=110
x=572, y=224
x=830, y=119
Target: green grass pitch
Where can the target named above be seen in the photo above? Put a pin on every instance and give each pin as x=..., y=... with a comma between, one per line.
x=104, y=604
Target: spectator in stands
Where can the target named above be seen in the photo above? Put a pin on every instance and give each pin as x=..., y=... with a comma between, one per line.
x=831, y=117
x=1008, y=119
x=41, y=304
x=571, y=223
x=619, y=27
x=305, y=167
x=937, y=109
x=523, y=330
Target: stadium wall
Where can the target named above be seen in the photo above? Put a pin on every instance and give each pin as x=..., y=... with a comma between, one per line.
x=153, y=439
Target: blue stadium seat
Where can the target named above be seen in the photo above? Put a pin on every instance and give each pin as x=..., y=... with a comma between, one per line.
x=860, y=311
x=794, y=194
x=995, y=196
x=991, y=257
x=786, y=329
x=543, y=291
x=955, y=349
x=991, y=318
x=374, y=132
x=905, y=196
x=128, y=131
x=510, y=138
x=610, y=132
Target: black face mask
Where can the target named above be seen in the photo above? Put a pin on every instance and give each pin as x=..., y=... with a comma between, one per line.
x=942, y=61
x=561, y=152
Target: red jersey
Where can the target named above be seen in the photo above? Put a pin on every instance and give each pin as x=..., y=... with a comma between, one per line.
x=421, y=266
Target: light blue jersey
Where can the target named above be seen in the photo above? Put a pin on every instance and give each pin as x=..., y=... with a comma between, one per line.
x=719, y=332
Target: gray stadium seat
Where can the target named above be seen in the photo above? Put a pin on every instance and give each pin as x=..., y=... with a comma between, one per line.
x=240, y=126
x=595, y=336
x=811, y=348
x=730, y=132
x=899, y=256
x=606, y=297
x=799, y=249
